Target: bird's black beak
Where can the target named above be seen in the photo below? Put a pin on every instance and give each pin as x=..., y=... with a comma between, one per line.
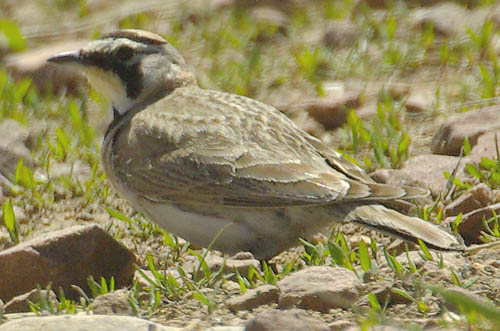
x=66, y=58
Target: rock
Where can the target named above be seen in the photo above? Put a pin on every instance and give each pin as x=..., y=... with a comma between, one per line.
x=268, y=15
x=5, y=240
x=341, y=34
x=64, y=258
x=285, y=320
x=424, y=171
x=356, y=239
x=331, y=111
x=340, y=325
x=241, y=262
x=19, y=214
x=13, y=147
x=84, y=323
x=113, y=303
x=486, y=146
x=418, y=103
x=231, y=287
x=448, y=19
x=449, y=139
x=319, y=288
x=47, y=76
x=383, y=292
x=450, y=259
x=495, y=195
x=253, y=298
x=75, y=169
x=375, y=4
x=19, y=304
x=398, y=91
x=367, y=112
x=452, y=306
x=142, y=282
x=287, y=6
x=472, y=223
x=477, y=197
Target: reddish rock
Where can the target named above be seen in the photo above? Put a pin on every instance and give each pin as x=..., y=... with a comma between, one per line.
x=472, y=223
x=64, y=258
x=331, y=111
x=477, y=197
x=450, y=137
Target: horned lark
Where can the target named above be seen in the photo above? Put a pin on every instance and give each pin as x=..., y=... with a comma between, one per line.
x=194, y=160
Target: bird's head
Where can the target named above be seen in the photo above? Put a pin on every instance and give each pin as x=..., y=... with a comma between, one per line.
x=129, y=67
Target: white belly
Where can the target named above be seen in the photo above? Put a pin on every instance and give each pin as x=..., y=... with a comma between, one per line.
x=199, y=229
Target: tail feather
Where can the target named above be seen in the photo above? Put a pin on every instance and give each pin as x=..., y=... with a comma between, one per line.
x=382, y=192
x=406, y=227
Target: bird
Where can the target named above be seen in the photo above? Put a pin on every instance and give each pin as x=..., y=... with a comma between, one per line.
x=222, y=170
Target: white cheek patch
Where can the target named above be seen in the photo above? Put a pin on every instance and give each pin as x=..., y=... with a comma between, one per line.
x=110, y=86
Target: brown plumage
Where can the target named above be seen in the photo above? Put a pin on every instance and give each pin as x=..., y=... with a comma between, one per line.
x=195, y=160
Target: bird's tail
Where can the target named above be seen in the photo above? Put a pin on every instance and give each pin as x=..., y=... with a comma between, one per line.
x=406, y=227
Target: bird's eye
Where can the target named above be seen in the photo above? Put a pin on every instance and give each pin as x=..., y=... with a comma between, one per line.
x=124, y=53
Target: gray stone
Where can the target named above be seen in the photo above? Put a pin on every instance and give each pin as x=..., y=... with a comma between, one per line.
x=453, y=260
x=383, y=291
x=424, y=171
x=418, y=102
x=20, y=303
x=341, y=34
x=452, y=306
x=253, y=298
x=241, y=262
x=319, y=288
x=113, y=303
x=486, y=146
x=285, y=320
x=268, y=15
x=13, y=147
x=84, y=323
x=448, y=19
x=340, y=325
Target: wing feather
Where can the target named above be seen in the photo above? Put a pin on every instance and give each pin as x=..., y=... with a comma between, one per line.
x=196, y=146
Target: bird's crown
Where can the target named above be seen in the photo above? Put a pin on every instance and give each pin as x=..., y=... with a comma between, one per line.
x=129, y=67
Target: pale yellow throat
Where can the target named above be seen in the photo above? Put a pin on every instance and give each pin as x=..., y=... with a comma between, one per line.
x=110, y=86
